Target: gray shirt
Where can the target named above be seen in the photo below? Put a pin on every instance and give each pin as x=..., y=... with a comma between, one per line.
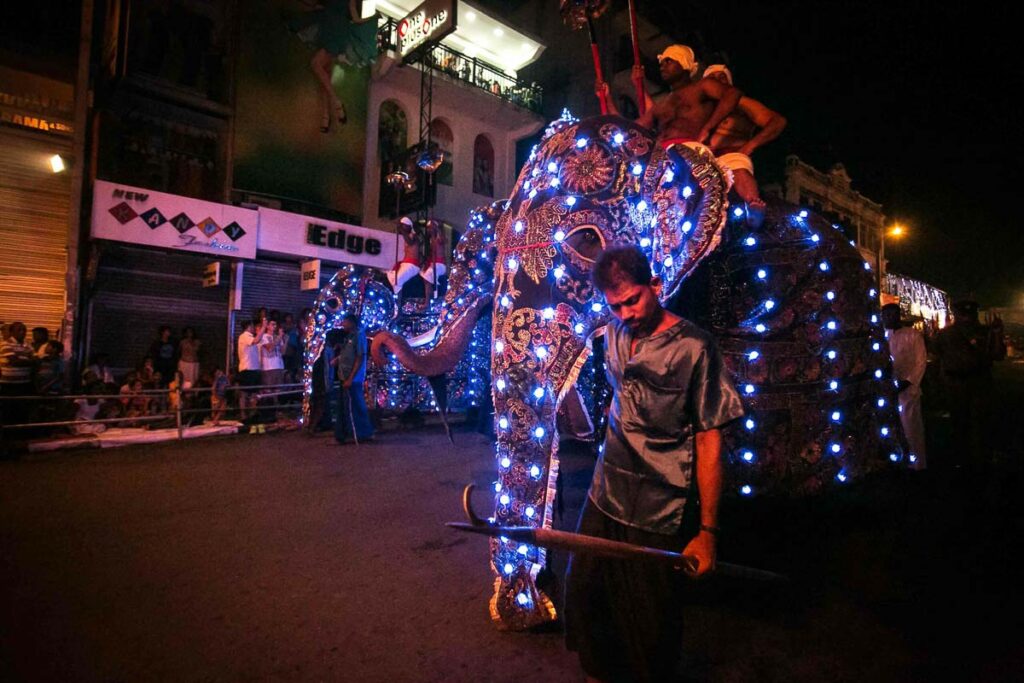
x=353, y=349
x=674, y=385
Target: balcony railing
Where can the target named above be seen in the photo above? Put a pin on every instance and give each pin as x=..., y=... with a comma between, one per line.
x=469, y=70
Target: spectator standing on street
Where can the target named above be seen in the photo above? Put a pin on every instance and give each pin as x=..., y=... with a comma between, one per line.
x=40, y=335
x=164, y=352
x=50, y=376
x=909, y=362
x=292, y=349
x=966, y=350
x=248, y=365
x=17, y=368
x=350, y=366
x=271, y=355
x=188, y=355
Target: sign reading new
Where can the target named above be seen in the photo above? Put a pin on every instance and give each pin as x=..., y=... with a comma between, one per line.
x=427, y=24
x=291, y=234
x=156, y=219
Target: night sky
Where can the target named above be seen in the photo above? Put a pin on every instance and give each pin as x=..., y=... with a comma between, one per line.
x=913, y=97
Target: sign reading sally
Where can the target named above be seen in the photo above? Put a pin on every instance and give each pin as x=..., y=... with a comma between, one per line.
x=424, y=27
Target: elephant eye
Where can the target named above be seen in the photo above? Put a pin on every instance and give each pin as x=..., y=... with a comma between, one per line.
x=585, y=242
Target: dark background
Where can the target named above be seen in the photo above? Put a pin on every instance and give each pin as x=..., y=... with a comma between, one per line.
x=915, y=98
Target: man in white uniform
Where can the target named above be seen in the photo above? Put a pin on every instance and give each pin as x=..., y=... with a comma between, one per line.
x=909, y=360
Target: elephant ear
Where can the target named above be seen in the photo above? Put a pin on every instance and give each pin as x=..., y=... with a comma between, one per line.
x=689, y=198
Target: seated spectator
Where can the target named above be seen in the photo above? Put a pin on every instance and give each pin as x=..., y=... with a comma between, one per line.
x=147, y=373
x=88, y=409
x=100, y=367
x=219, y=396
x=134, y=403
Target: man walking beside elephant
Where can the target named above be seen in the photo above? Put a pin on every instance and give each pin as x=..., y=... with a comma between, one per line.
x=672, y=394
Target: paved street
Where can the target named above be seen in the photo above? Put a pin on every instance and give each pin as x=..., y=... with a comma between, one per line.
x=284, y=557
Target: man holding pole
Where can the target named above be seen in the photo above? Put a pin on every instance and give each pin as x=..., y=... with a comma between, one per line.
x=672, y=394
x=352, y=420
x=692, y=109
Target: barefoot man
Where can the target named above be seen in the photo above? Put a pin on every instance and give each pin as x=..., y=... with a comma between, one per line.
x=749, y=126
x=657, y=482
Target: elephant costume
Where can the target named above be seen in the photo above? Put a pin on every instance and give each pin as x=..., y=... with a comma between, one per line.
x=805, y=358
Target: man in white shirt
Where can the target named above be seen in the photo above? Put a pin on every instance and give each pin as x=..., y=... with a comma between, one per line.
x=248, y=363
x=909, y=361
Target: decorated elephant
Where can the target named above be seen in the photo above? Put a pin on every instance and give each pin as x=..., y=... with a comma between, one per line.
x=790, y=303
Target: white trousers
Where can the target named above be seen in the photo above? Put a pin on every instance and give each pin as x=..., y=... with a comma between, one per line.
x=913, y=424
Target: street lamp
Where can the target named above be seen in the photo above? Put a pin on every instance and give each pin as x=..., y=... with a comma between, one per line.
x=896, y=231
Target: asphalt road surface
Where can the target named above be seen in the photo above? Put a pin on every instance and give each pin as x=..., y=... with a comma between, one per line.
x=286, y=557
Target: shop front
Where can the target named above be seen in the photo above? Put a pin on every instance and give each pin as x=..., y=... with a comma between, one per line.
x=147, y=266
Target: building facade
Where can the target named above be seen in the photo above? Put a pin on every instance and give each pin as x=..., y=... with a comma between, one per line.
x=201, y=106
x=40, y=171
x=831, y=194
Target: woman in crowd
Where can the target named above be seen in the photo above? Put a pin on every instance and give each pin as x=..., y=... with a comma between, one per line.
x=271, y=355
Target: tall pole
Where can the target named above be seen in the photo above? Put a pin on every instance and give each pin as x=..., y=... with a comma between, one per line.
x=597, y=62
x=641, y=99
x=881, y=260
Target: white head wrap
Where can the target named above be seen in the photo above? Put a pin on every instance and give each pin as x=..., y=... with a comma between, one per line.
x=681, y=54
x=719, y=68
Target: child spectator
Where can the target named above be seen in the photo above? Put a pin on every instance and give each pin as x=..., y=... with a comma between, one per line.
x=219, y=396
x=147, y=373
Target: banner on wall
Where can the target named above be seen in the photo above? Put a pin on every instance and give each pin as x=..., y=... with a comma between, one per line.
x=130, y=214
x=292, y=234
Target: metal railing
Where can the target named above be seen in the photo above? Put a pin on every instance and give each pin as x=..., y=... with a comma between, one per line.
x=469, y=70
x=172, y=408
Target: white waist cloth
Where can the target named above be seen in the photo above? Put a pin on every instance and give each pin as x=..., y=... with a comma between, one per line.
x=734, y=161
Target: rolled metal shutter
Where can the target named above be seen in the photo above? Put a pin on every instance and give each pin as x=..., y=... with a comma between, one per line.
x=34, y=214
x=139, y=289
x=275, y=285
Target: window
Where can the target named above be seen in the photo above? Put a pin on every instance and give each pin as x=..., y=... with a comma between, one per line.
x=483, y=166
x=441, y=133
x=392, y=133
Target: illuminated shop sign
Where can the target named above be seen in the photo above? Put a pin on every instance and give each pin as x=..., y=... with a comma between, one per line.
x=425, y=25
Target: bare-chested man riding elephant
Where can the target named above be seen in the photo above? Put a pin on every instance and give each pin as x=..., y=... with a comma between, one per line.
x=750, y=126
x=692, y=111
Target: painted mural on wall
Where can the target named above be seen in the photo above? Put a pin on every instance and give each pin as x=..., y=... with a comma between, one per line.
x=303, y=74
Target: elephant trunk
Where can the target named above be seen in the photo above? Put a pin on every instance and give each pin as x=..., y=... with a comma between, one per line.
x=455, y=339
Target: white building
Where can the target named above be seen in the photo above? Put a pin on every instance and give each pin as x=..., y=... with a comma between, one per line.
x=479, y=111
x=831, y=194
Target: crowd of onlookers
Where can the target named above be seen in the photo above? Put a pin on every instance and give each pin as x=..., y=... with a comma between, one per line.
x=174, y=374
